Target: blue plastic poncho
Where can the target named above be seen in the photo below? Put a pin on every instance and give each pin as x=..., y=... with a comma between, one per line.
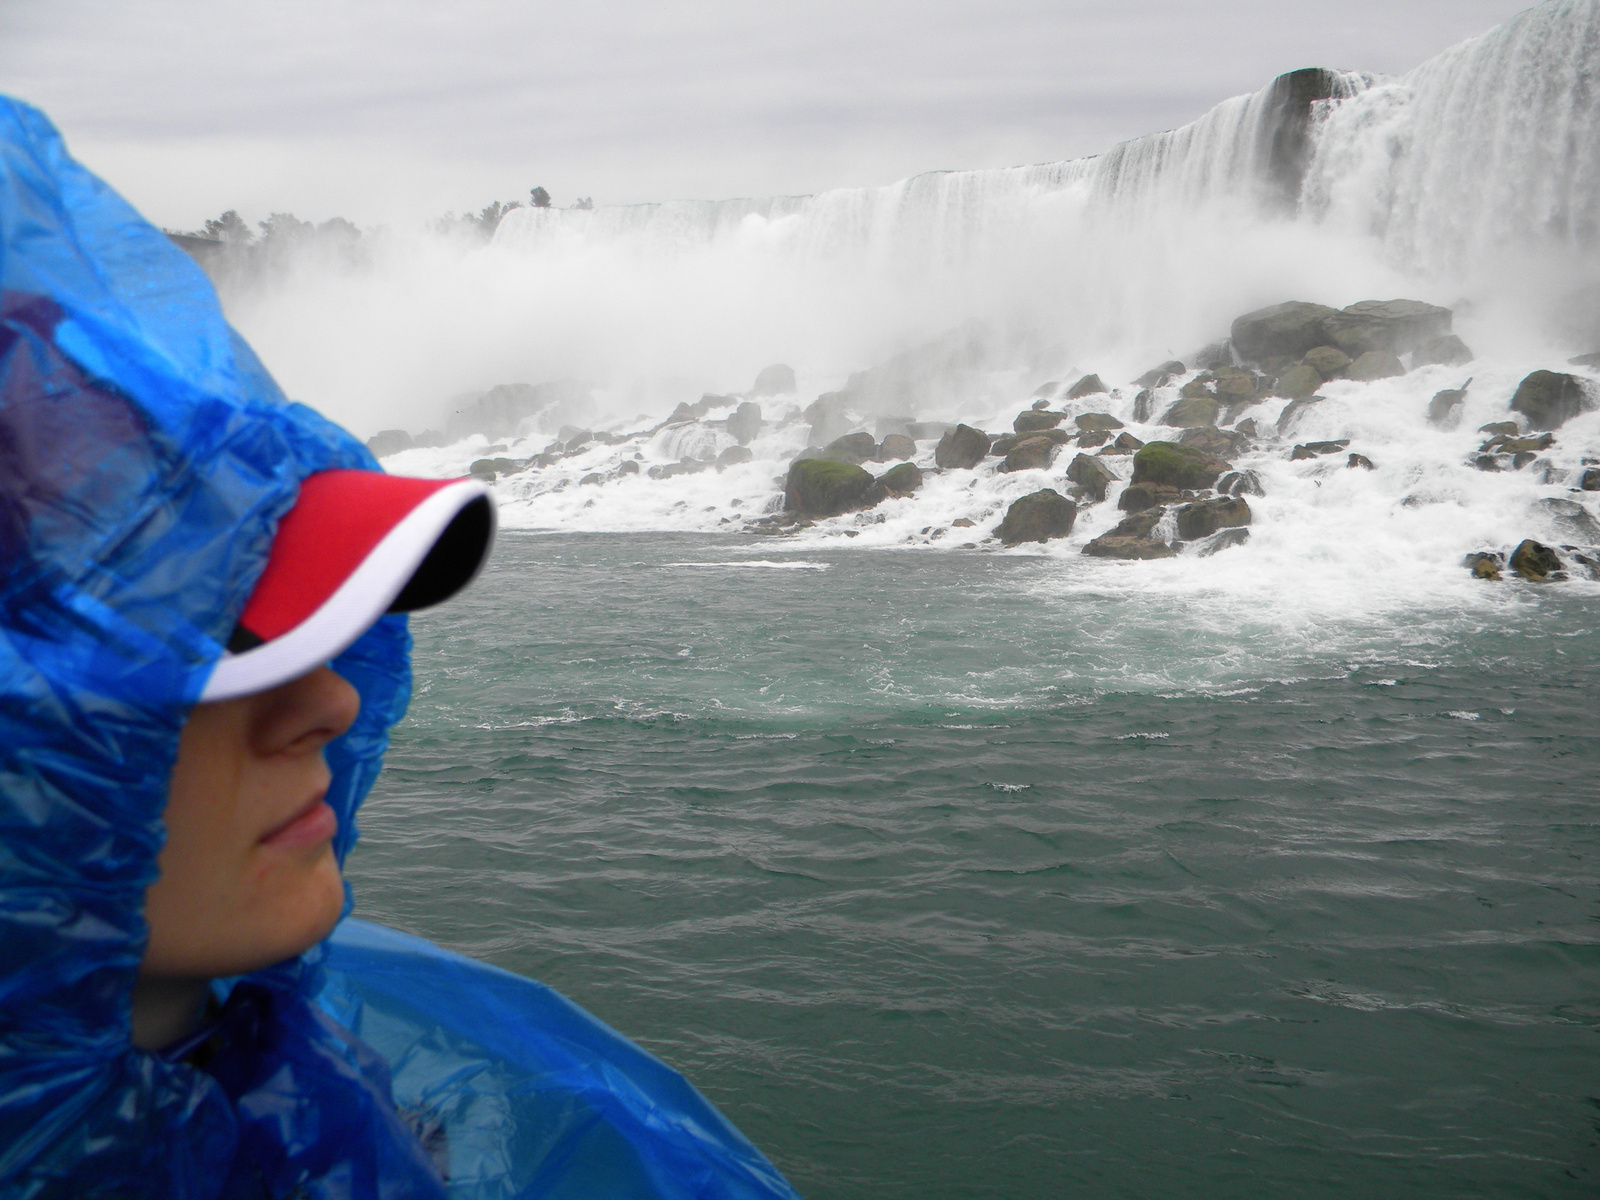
x=145, y=458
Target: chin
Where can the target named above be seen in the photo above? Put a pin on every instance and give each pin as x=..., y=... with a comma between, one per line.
x=306, y=912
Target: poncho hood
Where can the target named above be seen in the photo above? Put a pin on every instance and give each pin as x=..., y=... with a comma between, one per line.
x=145, y=458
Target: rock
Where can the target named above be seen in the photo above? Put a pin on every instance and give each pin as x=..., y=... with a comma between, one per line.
x=577, y=441
x=1298, y=382
x=745, y=423
x=1589, y=481
x=488, y=468
x=429, y=439
x=1444, y=408
x=1217, y=354
x=593, y=477
x=1160, y=376
x=1131, y=539
x=1092, y=475
x=1038, y=517
x=901, y=480
x=1234, y=386
x=1591, y=361
x=1486, y=462
x=1446, y=351
x=689, y=466
x=962, y=448
x=1171, y=465
x=1039, y=405
x=1496, y=428
x=884, y=426
x=1125, y=443
x=1548, y=399
x=1224, y=540
x=1030, y=454
x=1137, y=497
x=388, y=441
x=820, y=487
x=1534, y=561
x=1571, y=519
x=1204, y=517
x=1093, y=437
x=1046, y=391
x=927, y=431
x=776, y=380
x=1484, y=564
x=1503, y=443
x=1032, y=422
x=1003, y=444
x=1222, y=443
x=734, y=455
x=1193, y=411
x=1241, y=483
x=1290, y=328
x=1317, y=449
x=1360, y=460
x=1144, y=405
x=1089, y=385
x=1376, y=364
x=896, y=448
x=1394, y=326
x=851, y=448
x=1293, y=409
x=962, y=523
x=1327, y=361
x=828, y=417
x=627, y=467
x=1097, y=421
x=1247, y=427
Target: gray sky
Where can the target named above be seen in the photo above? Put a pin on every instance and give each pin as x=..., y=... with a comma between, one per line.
x=400, y=110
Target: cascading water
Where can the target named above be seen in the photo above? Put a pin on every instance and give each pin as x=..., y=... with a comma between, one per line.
x=1472, y=182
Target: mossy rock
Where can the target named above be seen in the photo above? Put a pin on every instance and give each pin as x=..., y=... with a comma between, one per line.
x=1328, y=361
x=1097, y=421
x=1125, y=443
x=1376, y=364
x=1234, y=385
x=1192, y=412
x=1035, y=420
x=1394, y=326
x=1168, y=464
x=1130, y=539
x=1037, y=517
x=820, y=487
x=902, y=480
x=1484, y=564
x=1548, y=399
x=1204, y=517
x=1089, y=385
x=1299, y=382
x=1030, y=454
x=1534, y=561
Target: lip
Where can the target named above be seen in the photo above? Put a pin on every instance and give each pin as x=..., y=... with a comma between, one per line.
x=312, y=825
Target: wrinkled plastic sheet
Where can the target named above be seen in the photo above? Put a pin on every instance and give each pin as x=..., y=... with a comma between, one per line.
x=519, y=1093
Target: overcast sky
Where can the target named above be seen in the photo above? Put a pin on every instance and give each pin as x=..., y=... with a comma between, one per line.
x=400, y=110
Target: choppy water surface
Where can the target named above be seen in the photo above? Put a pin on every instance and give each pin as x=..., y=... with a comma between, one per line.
x=962, y=874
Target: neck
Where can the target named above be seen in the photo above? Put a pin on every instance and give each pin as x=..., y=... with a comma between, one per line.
x=165, y=1010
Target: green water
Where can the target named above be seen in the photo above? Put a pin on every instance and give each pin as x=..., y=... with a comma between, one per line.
x=959, y=875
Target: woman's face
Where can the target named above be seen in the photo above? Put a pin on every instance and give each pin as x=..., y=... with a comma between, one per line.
x=248, y=876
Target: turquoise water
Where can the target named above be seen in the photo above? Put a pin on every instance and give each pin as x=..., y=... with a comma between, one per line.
x=959, y=875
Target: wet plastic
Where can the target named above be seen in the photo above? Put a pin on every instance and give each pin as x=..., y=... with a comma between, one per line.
x=145, y=457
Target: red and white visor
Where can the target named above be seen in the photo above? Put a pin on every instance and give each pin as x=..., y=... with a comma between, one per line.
x=356, y=545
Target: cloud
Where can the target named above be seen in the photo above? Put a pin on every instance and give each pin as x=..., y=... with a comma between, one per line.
x=396, y=111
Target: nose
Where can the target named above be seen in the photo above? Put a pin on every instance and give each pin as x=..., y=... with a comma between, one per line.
x=305, y=714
